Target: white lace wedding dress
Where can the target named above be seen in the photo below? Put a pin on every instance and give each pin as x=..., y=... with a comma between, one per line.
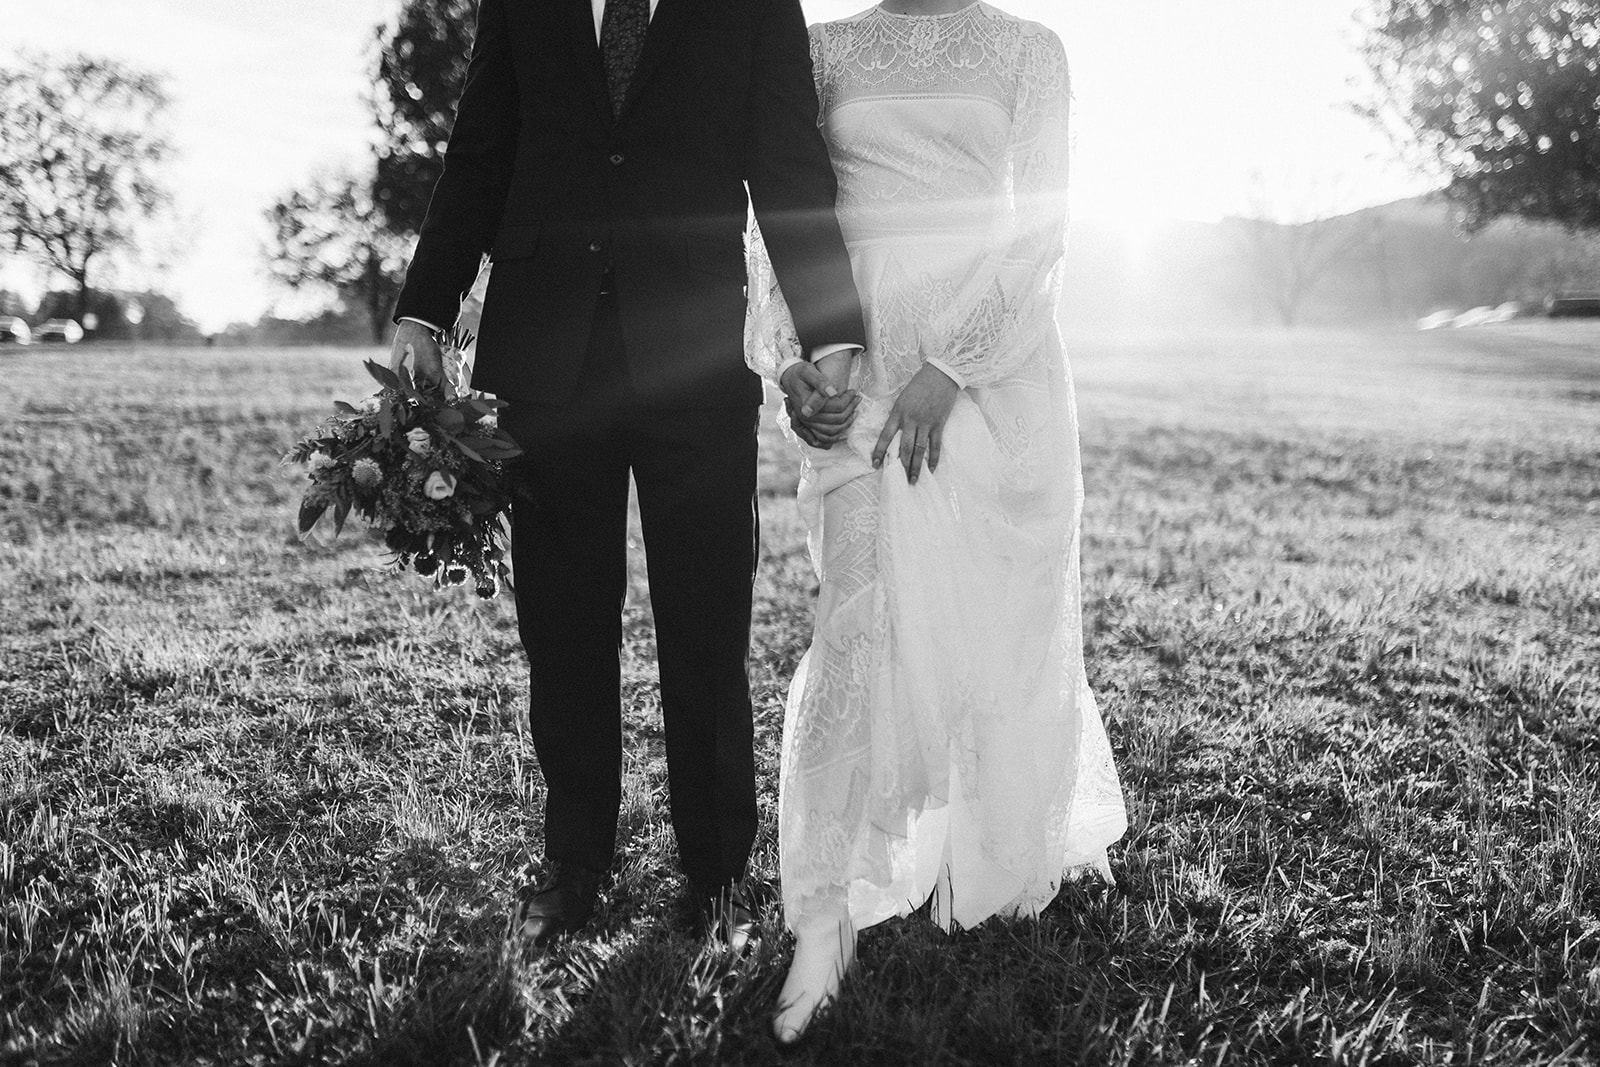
x=940, y=736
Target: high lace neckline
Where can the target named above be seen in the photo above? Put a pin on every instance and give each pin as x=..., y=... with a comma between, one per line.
x=965, y=10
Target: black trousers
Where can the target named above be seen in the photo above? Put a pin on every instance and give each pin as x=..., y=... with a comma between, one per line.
x=695, y=471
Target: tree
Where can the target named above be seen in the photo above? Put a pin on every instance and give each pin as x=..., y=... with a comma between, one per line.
x=1501, y=96
x=80, y=151
x=419, y=70
x=333, y=235
x=1292, y=247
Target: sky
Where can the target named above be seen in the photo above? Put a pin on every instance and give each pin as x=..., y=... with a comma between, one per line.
x=1188, y=109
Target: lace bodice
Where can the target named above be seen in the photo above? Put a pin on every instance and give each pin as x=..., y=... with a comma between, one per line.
x=948, y=134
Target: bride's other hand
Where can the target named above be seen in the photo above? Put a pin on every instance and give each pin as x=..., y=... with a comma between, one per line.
x=416, y=341
x=918, y=416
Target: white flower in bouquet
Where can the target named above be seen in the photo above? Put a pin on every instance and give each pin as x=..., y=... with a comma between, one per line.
x=366, y=473
x=321, y=461
x=371, y=405
x=489, y=423
x=439, y=485
x=420, y=440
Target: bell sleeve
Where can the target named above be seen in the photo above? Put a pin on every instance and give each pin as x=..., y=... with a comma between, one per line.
x=996, y=321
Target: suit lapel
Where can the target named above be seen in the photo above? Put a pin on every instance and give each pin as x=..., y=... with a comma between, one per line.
x=580, y=14
x=669, y=18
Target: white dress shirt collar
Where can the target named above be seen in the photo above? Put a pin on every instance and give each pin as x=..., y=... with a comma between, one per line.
x=600, y=10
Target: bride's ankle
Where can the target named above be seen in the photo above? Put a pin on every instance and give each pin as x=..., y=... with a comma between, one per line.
x=814, y=927
x=824, y=953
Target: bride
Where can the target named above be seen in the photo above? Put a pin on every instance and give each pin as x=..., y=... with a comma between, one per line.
x=941, y=744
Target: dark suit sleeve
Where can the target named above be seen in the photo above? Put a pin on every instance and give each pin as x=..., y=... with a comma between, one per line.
x=792, y=185
x=467, y=201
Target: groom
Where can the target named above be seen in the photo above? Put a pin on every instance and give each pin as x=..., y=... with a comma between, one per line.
x=600, y=154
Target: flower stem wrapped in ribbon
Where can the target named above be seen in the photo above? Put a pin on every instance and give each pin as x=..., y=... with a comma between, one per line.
x=423, y=464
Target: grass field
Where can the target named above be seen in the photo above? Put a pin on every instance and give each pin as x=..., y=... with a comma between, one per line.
x=264, y=803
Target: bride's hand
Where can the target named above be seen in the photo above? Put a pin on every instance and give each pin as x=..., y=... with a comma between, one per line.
x=918, y=416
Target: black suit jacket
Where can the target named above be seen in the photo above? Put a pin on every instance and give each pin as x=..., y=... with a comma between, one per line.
x=540, y=175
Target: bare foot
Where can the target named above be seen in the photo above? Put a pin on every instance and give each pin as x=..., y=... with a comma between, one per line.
x=824, y=952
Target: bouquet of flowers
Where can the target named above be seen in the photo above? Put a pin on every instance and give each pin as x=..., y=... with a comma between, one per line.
x=422, y=462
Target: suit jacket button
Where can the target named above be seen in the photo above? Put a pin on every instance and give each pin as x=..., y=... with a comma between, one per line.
x=617, y=159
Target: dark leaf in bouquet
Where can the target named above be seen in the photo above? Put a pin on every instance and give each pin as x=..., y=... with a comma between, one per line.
x=466, y=450
x=495, y=450
x=450, y=419
x=340, y=513
x=383, y=375
x=309, y=514
x=386, y=418
x=345, y=409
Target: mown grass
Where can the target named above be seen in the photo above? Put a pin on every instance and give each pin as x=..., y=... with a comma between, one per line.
x=267, y=804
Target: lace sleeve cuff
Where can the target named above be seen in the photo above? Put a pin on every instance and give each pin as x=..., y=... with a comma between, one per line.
x=961, y=382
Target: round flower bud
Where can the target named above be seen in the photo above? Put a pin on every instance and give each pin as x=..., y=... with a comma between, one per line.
x=366, y=473
x=321, y=461
x=425, y=563
x=439, y=485
x=455, y=574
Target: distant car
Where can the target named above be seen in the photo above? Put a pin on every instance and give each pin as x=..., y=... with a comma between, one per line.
x=63, y=331
x=14, y=331
x=1478, y=316
x=1572, y=305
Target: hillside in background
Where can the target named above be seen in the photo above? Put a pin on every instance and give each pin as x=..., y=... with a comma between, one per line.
x=1403, y=260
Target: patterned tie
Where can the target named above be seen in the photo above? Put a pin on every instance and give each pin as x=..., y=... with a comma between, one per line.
x=622, y=30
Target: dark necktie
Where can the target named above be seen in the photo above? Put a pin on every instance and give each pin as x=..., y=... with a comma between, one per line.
x=622, y=30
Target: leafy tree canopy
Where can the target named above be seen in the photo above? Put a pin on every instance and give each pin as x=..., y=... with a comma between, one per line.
x=332, y=235
x=419, y=70
x=1503, y=95
x=80, y=152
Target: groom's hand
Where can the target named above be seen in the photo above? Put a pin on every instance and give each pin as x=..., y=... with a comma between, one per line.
x=807, y=389
x=819, y=411
x=414, y=340
x=831, y=423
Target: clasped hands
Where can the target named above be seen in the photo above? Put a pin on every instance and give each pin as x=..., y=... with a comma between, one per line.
x=822, y=409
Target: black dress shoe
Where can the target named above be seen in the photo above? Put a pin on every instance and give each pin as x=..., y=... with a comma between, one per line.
x=562, y=905
x=729, y=915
